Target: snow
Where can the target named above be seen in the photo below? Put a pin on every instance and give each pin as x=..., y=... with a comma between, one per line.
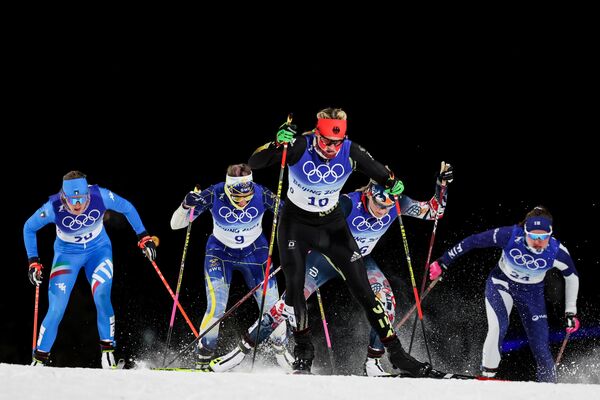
x=18, y=382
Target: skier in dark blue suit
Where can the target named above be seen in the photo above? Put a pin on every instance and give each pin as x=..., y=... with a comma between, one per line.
x=237, y=243
x=81, y=242
x=529, y=251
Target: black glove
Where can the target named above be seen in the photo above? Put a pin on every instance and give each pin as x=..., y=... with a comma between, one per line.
x=147, y=245
x=192, y=199
x=446, y=175
x=35, y=271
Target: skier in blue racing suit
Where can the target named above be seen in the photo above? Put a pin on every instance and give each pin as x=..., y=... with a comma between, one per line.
x=81, y=242
x=237, y=243
x=529, y=251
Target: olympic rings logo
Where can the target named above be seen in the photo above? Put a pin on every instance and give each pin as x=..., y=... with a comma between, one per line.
x=527, y=260
x=232, y=216
x=375, y=224
x=81, y=220
x=323, y=172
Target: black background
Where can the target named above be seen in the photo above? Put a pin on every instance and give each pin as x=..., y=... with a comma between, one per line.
x=149, y=114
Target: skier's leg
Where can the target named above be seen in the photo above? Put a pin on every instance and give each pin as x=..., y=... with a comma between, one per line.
x=382, y=289
x=217, y=276
x=60, y=284
x=294, y=240
x=99, y=273
x=532, y=309
x=498, y=305
x=345, y=254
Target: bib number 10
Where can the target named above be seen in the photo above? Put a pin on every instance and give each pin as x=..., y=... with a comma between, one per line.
x=312, y=201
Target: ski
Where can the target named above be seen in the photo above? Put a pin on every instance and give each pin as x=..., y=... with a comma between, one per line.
x=178, y=369
x=441, y=375
x=120, y=364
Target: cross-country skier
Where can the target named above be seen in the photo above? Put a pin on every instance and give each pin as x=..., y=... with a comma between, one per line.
x=81, y=242
x=369, y=212
x=237, y=243
x=528, y=251
x=319, y=164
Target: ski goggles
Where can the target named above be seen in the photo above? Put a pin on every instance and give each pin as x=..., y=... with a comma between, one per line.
x=330, y=142
x=381, y=199
x=78, y=199
x=238, y=199
x=538, y=236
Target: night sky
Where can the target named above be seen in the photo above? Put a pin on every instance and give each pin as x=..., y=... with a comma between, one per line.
x=148, y=116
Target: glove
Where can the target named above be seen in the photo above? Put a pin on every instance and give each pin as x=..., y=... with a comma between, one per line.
x=35, y=271
x=394, y=186
x=286, y=133
x=436, y=269
x=572, y=323
x=447, y=173
x=147, y=245
x=192, y=199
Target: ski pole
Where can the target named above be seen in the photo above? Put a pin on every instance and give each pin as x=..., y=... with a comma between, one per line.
x=329, y=349
x=180, y=278
x=562, y=349
x=412, y=275
x=272, y=240
x=218, y=321
x=435, y=223
x=162, y=278
x=35, y=316
x=427, y=261
x=414, y=307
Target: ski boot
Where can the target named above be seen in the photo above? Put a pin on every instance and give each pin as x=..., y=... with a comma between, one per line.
x=283, y=357
x=204, y=358
x=373, y=365
x=40, y=359
x=488, y=372
x=108, y=357
x=234, y=357
x=404, y=361
x=304, y=352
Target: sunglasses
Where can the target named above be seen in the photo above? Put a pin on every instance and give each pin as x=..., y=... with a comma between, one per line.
x=237, y=199
x=539, y=236
x=329, y=142
x=74, y=200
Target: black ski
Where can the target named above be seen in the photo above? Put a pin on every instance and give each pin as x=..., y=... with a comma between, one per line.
x=441, y=375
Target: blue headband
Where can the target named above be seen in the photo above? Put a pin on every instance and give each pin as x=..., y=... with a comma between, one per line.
x=538, y=223
x=75, y=187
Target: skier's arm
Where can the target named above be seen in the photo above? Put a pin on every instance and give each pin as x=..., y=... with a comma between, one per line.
x=498, y=237
x=345, y=205
x=271, y=153
x=365, y=163
x=42, y=217
x=565, y=265
x=269, y=199
x=114, y=202
x=200, y=201
x=426, y=210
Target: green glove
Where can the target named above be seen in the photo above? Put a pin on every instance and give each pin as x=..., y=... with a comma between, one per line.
x=395, y=187
x=286, y=133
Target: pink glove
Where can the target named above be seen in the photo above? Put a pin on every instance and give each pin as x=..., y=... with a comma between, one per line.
x=435, y=270
x=572, y=323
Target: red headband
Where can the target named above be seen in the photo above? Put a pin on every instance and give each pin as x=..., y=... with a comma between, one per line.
x=332, y=128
